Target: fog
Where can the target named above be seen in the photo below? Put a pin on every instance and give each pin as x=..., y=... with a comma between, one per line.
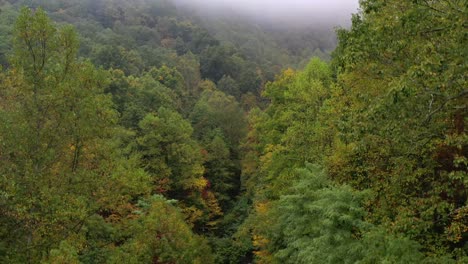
x=300, y=12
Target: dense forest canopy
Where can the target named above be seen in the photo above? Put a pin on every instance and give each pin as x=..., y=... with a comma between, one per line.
x=147, y=131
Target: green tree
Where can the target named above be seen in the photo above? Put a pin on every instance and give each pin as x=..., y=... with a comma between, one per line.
x=175, y=162
x=135, y=97
x=168, y=151
x=398, y=113
x=216, y=111
x=60, y=164
x=229, y=86
x=320, y=222
x=162, y=237
x=220, y=126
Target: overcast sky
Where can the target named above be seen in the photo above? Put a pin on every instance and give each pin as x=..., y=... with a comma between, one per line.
x=332, y=11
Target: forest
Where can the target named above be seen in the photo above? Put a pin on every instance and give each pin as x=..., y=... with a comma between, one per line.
x=140, y=131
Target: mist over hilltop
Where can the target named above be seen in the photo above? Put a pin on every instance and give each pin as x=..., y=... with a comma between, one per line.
x=330, y=13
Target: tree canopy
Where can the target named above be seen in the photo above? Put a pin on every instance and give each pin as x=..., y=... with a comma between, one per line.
x=142, y=132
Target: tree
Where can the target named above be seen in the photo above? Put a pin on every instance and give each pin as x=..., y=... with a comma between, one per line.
x=59, y=158
x=229, y=86
x=220, y=126
x=316, y=221
x=214, y=110
x=217, y=61
x=169, y=153
x=398, y=113
x=162, y=237
x=174, y=160
x=135, y=97
x=290, y=132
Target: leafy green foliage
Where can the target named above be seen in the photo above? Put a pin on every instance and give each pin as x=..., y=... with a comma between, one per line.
x=395, y=127
x=319, y=222
x=168, y=152
x=162, y=237
x=312, y=119
x=68, y=191
x=219, y=124
x=58, y=125
x=170, y=137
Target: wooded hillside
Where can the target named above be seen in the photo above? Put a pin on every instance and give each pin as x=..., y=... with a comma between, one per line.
x=139, y=132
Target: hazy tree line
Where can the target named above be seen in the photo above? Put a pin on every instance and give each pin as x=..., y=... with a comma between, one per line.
x=134, y=132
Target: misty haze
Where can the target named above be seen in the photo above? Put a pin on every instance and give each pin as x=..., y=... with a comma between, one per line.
x=298, y=12
x=233, y=132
